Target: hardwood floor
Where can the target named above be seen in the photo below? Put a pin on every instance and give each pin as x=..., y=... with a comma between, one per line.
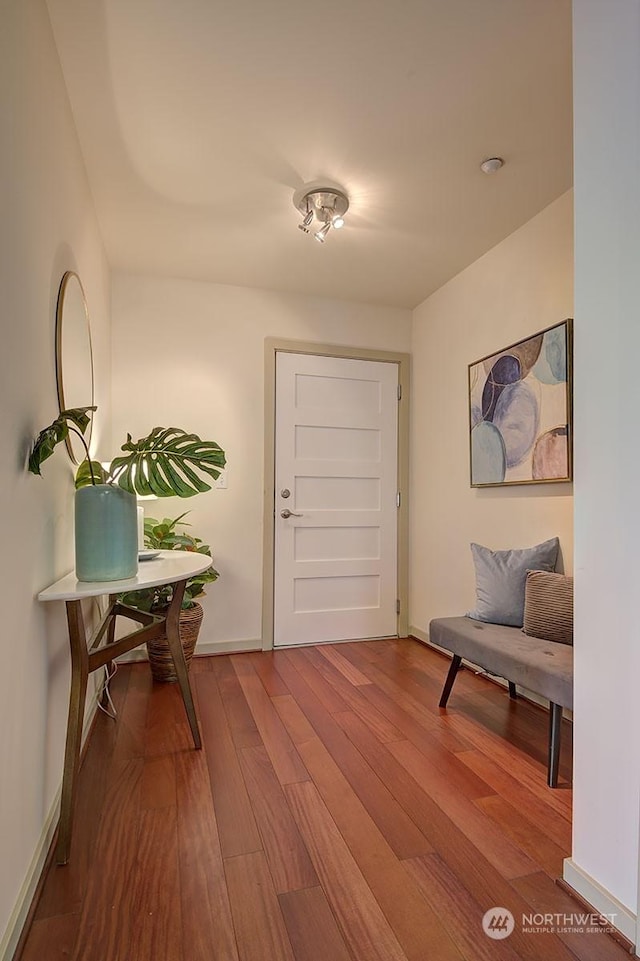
x=334, y=814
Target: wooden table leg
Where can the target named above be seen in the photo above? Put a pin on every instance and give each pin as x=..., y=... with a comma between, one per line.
x=111, y=630
x=111, y=636
x=79, y=675
x=177, y=653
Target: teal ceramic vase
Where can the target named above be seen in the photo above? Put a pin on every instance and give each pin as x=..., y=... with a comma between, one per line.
x=106, y=533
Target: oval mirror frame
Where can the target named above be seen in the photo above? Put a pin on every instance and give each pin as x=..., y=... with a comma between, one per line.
x=74, y=356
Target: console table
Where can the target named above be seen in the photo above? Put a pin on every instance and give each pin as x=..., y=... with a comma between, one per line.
x=88, y=654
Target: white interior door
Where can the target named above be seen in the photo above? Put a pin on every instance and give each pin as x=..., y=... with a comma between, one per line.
x=335, y=499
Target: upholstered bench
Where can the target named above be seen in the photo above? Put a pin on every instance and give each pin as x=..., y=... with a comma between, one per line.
x=544, y=667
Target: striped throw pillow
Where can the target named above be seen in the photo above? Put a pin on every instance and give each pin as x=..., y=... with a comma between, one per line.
x=548, y=607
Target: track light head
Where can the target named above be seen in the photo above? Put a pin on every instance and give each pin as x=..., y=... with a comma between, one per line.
x=321, y=234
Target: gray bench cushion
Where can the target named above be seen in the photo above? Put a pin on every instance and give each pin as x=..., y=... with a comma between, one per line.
x=544, y=667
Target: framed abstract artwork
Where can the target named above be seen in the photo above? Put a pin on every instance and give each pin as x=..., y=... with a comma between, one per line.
x=520, y=428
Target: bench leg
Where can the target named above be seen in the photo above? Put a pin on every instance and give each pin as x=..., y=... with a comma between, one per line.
x=451, y=676
x=555, y=722
x=512, y=691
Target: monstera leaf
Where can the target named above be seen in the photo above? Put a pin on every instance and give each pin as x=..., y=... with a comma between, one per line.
x=167, y=463
x=75, y=419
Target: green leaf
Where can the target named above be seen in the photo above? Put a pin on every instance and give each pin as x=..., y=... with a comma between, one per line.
x=183, y=540
x=142, y=600
x=168, y=462
x=173, y=480
x=195, y=480
x=45, y=444
x=47, y=439
x=78, y=417
x=83, y=474
x=177, y=520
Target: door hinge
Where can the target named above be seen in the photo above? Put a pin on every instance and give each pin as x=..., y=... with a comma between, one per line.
x=398, y=606
x=398, y=499
x=399, y=391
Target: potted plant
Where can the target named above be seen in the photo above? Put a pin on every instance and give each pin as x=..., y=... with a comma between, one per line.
x=163, y=535
x=168, y=462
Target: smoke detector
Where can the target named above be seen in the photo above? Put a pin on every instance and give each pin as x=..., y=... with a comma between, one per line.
x=491, y=165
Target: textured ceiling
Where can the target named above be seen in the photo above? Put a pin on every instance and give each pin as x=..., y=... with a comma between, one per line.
x=198, y=120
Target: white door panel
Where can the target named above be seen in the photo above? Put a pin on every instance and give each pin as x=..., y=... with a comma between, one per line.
x=331, y=443
x=332, y=543
x=336, y=455
x=324, y=493
x=324, y=392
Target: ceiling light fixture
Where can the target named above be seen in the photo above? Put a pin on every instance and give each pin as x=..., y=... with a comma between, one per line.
x=327, y=205
x=491, y=165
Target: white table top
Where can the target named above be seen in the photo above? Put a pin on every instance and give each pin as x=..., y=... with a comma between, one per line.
x=168, y=567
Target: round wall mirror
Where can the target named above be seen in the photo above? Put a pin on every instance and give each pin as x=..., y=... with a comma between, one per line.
x=74, y=357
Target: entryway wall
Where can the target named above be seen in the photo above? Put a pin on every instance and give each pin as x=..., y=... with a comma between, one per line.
x=522, y=285
x=48, y=226
x=607, y=401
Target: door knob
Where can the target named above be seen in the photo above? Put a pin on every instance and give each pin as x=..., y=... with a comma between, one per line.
x=285, y=492
x=287, y=513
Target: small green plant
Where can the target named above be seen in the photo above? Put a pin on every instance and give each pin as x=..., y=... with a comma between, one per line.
x=166, y=463
x=164, y=536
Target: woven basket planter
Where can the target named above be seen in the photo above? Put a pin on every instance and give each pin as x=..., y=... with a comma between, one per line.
x=160, y=658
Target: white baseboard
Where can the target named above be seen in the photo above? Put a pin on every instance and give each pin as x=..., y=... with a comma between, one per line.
x=229, y=647
x=346, y=640
x=27, y=892
x=206, y=647
x=599, y=898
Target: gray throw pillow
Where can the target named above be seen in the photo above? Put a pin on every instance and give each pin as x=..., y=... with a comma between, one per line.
x=501, y=578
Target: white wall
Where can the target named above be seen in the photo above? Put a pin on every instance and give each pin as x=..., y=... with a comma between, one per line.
x=519, y=287
x=47, y=226
x=192, y=355
x=607, y=412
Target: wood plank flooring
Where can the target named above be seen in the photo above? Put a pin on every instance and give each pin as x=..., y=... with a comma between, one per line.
x=334, y=814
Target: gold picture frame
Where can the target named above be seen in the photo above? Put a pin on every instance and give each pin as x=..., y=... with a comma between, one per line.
x=520, y=411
